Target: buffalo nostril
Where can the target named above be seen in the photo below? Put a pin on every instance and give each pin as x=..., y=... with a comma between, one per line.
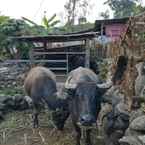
x=87, y=120
x=82, y=120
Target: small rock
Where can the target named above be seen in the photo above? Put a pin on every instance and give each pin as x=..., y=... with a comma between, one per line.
x=142, y=138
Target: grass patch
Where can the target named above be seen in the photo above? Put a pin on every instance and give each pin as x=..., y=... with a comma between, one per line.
x=18, y=125
x=11, y=91
x=103, y=70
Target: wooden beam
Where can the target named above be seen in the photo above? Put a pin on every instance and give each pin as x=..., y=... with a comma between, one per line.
x=87, y=57
x=31, y=57
x=28, y=61
x=58, y=38
x=58, y=53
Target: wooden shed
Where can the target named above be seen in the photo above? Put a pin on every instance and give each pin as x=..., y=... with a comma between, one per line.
x=111, y=28
x=110, y=32
x=59, y=52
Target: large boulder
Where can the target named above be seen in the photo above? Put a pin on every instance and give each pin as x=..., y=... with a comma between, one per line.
x=113, y=96
x=142, y=139
x=135, y=134
x=116, y=123
x=130, y=140
x=135, y=114
x=138, y=124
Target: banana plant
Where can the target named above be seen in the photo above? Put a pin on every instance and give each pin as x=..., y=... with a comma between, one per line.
x=49, y=23
x=30, y=21
x=3, y=19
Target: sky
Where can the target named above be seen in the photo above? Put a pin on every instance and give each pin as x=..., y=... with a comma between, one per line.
x=34, y=9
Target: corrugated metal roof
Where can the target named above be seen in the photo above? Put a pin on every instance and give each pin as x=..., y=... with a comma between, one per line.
x=57, y=38
x=112, y=21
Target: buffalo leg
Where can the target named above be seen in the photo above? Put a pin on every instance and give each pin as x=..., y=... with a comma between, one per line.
x=36, y=112
x=88, y=137
x=78, y=134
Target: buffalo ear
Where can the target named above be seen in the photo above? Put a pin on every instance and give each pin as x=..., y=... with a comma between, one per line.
x=102, y=88
x=106, y=85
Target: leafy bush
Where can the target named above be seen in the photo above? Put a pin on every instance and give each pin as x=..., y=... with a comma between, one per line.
x=13, y=28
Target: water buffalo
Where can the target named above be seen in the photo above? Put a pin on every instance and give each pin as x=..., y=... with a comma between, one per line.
x=76, y=61
x=40, y=86
x=84, y=97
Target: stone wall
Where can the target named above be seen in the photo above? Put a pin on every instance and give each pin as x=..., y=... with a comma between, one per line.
x=12, y=75
x=11, y=88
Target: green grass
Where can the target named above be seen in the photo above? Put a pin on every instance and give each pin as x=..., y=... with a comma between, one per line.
x=11, y=91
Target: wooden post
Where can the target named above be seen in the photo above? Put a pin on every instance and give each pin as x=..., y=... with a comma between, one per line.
x=103, y=48
x=31, y=56
x=87, y=57
x=102, y=29
x=45, y=45
x=67, y=65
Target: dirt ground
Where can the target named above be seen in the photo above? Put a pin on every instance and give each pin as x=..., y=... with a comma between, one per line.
x=17, y=130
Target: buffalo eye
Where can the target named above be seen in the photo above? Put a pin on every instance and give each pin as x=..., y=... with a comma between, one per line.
x=70, y=93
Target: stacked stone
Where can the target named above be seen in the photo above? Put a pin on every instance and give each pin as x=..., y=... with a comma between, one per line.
x=116, y=120
x=11, y=103
x=135, y=134
x=12, y=75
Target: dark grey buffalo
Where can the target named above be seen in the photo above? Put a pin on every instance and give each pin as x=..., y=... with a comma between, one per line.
x=76, y=61
x=40, y=86
x=84, y=96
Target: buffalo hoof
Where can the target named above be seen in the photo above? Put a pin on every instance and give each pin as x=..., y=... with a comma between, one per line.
x=35, y=121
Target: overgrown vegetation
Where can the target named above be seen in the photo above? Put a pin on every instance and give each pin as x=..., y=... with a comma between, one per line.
x=104, y=65
x=11, y=28
x=75, y=11
x=125, y=8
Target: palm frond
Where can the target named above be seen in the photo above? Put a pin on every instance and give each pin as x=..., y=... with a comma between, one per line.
x=30, y=21
x=51, y=18
x=45, y=22
x=54, y=23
